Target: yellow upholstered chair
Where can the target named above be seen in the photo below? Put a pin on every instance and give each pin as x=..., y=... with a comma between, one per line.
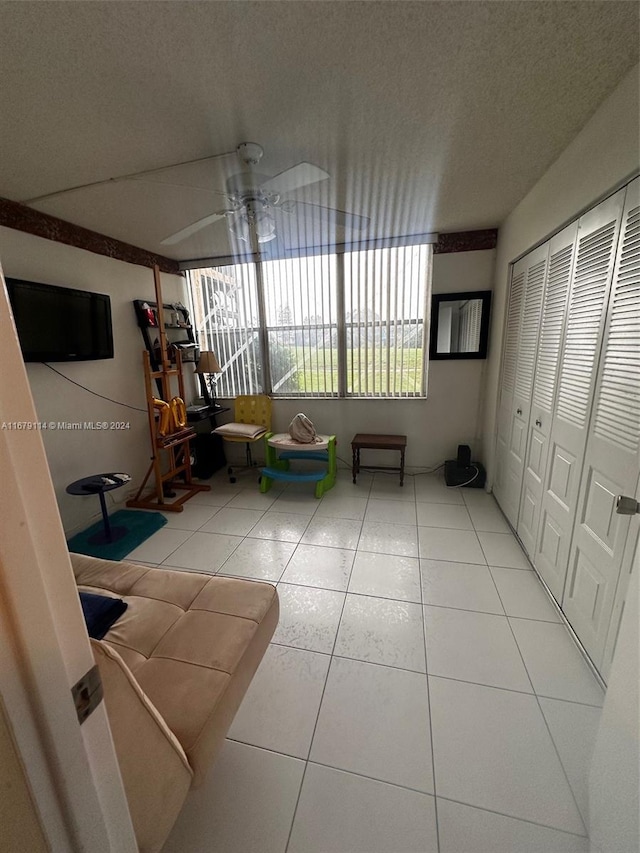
x=252, y=420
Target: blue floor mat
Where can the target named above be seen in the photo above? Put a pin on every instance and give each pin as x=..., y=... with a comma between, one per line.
x=140, y=525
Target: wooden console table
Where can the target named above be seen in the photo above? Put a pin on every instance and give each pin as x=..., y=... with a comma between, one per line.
x=367, y=441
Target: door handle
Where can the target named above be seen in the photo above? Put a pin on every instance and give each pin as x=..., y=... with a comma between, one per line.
x=518, y=411
x=538, y=422
x=626, y=505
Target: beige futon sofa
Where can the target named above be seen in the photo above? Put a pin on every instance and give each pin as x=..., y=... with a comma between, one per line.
x=174, y=667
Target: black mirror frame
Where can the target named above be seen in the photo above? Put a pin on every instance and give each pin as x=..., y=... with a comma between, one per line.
x=436, y=299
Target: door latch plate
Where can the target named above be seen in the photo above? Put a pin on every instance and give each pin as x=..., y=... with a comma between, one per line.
x=87, y=693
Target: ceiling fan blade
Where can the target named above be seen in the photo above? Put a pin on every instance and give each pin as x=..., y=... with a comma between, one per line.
x=330, y=214
x=193, y=228
x=297, y=176
x=133, y=175
x=144, y=180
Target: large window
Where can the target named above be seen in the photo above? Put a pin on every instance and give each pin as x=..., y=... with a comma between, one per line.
x=329, y=325
x=302, y=325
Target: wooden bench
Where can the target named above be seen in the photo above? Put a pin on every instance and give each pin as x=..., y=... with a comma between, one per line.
x=371, y=441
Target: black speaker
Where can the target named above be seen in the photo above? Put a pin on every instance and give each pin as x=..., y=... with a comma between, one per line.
x=464, y=455
x=463, y=472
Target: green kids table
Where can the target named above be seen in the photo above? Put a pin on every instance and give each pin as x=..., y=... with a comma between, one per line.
x=280, y=448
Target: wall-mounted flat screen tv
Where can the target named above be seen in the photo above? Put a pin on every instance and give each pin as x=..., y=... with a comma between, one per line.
x=60, y=323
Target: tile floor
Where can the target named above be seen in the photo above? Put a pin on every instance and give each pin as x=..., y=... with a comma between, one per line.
x=420, y=695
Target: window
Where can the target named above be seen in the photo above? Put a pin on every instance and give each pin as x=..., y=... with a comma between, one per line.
x=385, y=298
x=302, y=325
x=225, y=315
x=328, y=325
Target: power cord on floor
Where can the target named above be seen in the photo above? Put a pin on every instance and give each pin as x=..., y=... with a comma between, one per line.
x=476, y=474
x=348, y=466
x=475, y=477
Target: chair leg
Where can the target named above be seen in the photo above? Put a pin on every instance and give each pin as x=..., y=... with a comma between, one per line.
x=249, y=463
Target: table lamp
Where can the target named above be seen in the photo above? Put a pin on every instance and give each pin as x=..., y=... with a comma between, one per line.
x=208, y=364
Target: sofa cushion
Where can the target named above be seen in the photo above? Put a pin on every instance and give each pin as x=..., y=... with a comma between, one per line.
x=179, y=588
x=143, y=624
x=208, y=639
x=176, y=685
x=192, y=642
x=235, y=598
x=154, y=768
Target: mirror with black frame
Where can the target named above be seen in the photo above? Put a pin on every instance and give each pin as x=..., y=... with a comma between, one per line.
x=460, y=325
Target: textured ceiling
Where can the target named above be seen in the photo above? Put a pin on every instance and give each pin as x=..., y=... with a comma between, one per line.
x=429, y=116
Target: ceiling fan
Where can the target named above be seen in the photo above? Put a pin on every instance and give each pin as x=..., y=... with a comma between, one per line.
x=253, y=198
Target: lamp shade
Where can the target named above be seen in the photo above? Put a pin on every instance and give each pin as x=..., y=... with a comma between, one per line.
x=208, y=363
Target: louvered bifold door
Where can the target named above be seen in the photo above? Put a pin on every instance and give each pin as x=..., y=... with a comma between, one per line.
x=525, y=366
x=554, y=306
x=590, y=284
x=612, y=459
x=526, y=350
x=508, y=380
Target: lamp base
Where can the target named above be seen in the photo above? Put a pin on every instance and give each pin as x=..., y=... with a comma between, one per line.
x=205, y=391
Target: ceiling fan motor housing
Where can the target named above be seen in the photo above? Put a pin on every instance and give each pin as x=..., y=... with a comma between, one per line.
x=250, y=153
x=246, y=187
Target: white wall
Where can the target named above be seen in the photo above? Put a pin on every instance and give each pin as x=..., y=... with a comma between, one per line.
x=603, y=154
x=75, y=454
x=434, y=427
x=614, y=786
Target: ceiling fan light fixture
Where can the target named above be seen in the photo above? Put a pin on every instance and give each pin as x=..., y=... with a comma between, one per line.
x=265, y=227
x=263, y=222
x=239, y=225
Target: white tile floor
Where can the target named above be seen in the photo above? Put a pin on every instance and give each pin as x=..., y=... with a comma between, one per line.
x=420, y=695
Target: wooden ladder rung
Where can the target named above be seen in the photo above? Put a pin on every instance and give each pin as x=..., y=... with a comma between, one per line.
x=158, y=374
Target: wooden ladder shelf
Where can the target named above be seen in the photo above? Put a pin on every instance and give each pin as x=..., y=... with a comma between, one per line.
x=170, y=454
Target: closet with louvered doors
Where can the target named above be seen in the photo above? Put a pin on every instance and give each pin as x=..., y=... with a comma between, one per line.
x=595, y=253
x=603, y=542
x=554, y=308
x=521, y=344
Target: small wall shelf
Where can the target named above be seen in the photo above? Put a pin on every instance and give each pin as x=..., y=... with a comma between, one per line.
x=149, y=320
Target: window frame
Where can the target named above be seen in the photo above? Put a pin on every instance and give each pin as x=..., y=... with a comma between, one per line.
x=264, y=329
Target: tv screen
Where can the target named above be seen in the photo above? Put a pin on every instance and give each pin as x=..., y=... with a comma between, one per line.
x=59, y=323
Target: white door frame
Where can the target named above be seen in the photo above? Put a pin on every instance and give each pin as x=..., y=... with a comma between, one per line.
x=44, y=648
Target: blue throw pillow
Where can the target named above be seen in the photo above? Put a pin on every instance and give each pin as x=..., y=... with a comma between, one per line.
x=100, y=612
